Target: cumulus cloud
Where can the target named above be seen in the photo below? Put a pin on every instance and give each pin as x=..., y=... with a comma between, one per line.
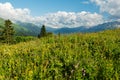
x=56, y=20
x=7, y=11
x=110, y=6
x=72, y=19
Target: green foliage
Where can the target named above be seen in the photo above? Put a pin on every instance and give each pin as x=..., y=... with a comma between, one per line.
x=7, y=34
x=42, y=32
x=93, y=56
x=50, y=34
x=19, y=39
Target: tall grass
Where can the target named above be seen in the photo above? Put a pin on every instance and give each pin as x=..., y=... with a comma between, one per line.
x=93, y=56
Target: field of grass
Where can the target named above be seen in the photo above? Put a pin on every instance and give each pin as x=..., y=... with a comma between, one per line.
x=91, y=56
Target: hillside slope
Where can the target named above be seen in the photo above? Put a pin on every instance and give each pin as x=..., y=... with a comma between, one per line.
x=78, y=56
x=20, y=30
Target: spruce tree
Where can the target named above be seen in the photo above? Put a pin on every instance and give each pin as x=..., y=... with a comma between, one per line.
x=8, y=32
x=42, y=32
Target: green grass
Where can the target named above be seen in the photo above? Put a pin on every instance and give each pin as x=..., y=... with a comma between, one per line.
x=63, y=58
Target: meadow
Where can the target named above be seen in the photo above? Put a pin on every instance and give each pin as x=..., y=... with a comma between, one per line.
x=77, y=56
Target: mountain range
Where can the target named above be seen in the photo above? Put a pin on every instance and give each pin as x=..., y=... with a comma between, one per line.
x=29, y=29
x=83, y=29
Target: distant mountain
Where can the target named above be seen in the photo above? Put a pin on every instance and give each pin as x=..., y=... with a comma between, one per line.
x=100, y=27
x=22, y=29
x=32, y=30
x=29, y=29
x=49, y=29
x=70, y=30
x=19, y=30
x=104, y=26
x=25, y=29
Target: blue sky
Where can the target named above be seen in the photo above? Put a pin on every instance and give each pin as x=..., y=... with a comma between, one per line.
x=61, y=13
x=41, y=7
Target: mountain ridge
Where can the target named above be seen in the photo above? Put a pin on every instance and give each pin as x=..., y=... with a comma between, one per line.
x=97, y=28
x=29, y=29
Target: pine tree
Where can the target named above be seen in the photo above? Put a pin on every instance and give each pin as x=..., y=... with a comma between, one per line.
x=42, y=32
x=8, y=32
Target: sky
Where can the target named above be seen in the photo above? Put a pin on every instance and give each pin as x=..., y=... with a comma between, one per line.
x=61, y=13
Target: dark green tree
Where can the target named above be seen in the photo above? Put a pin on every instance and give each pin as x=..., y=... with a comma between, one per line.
x=42, y=32
x=8, y=32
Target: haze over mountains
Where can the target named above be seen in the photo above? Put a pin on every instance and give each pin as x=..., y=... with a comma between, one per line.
x=100, y=27
x=29, y=29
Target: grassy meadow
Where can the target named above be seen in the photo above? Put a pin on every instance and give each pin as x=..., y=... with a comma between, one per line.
x=88, y=56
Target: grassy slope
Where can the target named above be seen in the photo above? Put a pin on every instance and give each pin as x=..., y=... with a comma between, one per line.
x=19, y=29
x=63, y=57
x=1, y=21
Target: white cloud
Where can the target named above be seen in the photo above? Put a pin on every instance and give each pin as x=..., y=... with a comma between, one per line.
x=58, y=19
x=72, y=19
x=7, y=11
x=110, y=6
